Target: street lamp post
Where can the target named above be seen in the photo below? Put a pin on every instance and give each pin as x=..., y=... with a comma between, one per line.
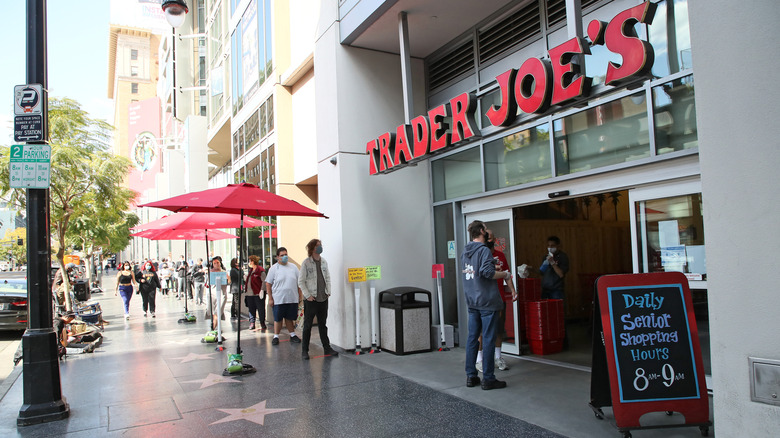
x=43, y=400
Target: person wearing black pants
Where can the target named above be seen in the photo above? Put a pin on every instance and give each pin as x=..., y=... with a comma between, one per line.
x=314, y=282
x=148, y=282
x=235, y=287
x=255, y=293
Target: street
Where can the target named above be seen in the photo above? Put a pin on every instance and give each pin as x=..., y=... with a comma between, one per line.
x=9, y=341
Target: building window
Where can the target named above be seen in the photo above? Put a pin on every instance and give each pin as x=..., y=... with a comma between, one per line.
x=133, y=54
x=134, y=88
x=457, y=175
x=518, y=158
x=612, y=133
x=674, y=112
x=133, y=71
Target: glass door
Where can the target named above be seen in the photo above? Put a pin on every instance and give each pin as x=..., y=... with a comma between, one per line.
x=500, y=223
x=668, y=228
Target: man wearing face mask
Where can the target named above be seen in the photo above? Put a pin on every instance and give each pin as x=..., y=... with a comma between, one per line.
x=314, y=282
x=554, y=269
x=283, y=295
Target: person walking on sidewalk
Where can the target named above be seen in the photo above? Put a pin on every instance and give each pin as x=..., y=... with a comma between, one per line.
x=283, y=294
x=235, y=287
x=125, y=280
x=314, y=283
x=198, y=280
x=484, y=306
x=219, y=290
x=181, y=274
x=255, y=293
x=148, y=282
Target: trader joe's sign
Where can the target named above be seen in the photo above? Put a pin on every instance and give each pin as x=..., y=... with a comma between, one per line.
x=533, y=87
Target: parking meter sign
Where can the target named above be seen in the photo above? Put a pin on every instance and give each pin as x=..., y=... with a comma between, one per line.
x=30, y=166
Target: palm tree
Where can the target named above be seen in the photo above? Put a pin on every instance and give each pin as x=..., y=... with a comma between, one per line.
x=615, y=196
x=586, y=202
x=85, y=175
x=600, y=199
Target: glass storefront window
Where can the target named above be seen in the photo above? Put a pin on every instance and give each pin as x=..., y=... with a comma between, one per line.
x=670, y=37
x=671, y=235
x=457, y=175
x=612, y=133
x=675, y=116
x=518, y=158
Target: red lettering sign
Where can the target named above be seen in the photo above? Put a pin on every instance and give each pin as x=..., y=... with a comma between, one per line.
x=440, y=138
x=620, y=38
x=532, y=88
x=386, y=146
x=372, y=149
x=506, y=113
x=463, y=124
x=568, y=83
x=421, y=136
x=402, y=153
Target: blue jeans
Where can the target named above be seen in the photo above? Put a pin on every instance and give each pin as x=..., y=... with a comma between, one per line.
x=483, y=322
x=552, y=294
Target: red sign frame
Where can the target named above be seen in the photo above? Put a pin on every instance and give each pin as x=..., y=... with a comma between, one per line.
x=628, y=412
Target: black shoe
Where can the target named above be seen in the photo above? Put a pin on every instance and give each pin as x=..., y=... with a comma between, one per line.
x=295, y=339
x=331, y=352
x=472, y=381
x=493, y=384
x=305, y=355
x=275, y=341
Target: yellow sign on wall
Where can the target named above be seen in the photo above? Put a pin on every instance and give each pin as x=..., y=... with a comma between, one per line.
x=356, y=275
x=373, y=272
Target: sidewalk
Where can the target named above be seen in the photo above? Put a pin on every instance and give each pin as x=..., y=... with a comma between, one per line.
x=153, y=377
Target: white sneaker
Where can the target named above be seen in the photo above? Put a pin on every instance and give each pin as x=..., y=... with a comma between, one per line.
x=127, y=316
x=144, y=314
x=479, y=366
x=501, y=364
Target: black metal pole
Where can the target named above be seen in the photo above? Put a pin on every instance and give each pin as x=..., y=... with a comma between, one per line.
x=43, y=400
x=240, y=280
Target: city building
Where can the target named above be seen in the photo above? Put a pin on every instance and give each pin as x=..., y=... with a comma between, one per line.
x=598, y=121
x=550, y=117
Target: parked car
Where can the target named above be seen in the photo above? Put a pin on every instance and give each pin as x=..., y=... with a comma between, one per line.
x=13, y=302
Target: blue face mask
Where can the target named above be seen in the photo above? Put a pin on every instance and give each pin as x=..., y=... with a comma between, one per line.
x=284, y=259
x=318, y=250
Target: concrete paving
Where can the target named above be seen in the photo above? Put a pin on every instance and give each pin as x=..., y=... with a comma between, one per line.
x=154, y=377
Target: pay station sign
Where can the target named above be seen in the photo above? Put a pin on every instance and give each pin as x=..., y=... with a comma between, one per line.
x=28, y=112
x=30, y=166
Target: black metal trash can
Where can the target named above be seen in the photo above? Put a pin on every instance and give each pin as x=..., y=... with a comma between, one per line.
x=405, y=320
x=81, y=290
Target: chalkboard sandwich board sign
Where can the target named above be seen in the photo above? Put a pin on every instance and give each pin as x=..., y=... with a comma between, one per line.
x=647, y=334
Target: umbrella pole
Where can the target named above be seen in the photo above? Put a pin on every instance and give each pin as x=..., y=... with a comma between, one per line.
x=208, y=273
x=236, y=363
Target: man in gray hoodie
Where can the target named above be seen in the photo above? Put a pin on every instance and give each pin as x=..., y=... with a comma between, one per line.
x=484, y=303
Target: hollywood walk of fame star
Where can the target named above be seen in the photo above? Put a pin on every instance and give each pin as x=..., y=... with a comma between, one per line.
x=194, y=356
x=213, y=379
x=255, y=413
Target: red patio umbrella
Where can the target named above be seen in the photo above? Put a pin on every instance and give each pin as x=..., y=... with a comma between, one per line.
x=202, y=221
x=243, y=199
x=269, y=233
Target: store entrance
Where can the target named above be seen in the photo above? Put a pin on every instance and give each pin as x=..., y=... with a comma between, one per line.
x=595, y=234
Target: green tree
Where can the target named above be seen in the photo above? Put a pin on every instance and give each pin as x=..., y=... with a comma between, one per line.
x=85, y=176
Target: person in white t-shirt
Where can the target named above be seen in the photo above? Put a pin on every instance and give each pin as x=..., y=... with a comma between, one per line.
x=284, y=295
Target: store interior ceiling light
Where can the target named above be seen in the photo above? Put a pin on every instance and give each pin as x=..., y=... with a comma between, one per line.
x=175, y=11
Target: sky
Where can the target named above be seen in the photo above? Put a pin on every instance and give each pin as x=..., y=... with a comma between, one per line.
x=77, y=56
